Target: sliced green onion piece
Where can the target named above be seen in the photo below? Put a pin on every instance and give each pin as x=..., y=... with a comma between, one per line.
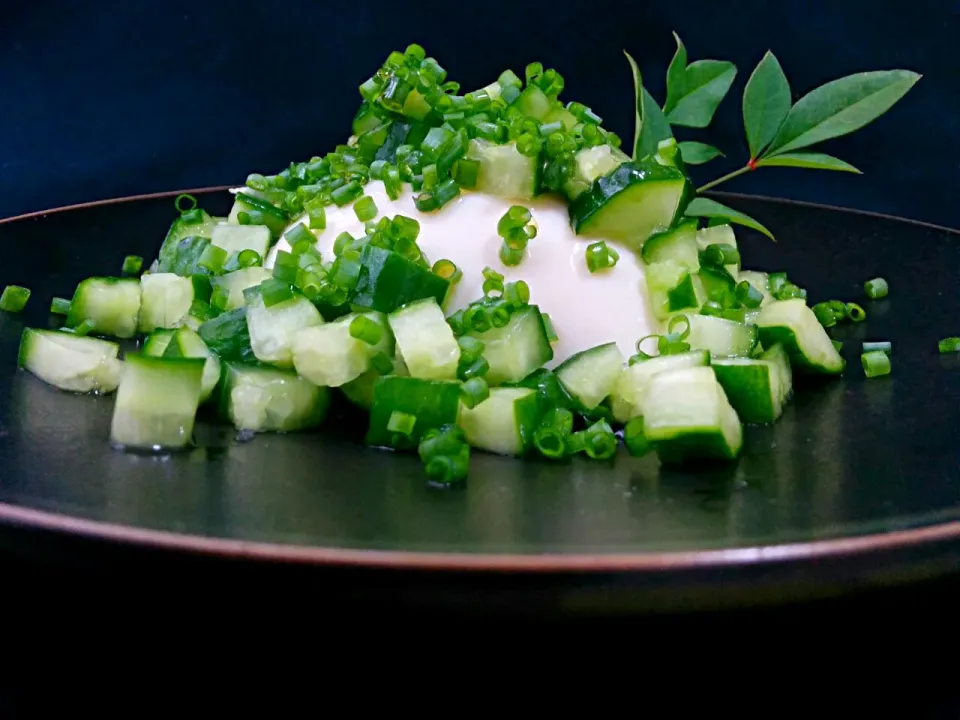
x=949, y=345
x=825, y=315
x=885, y=346
x=748, y=295
x=365, y=329
x=299, y=234
x=674, y=324
x=839, y=309
x=492, y=283
x=598, y=441
x=219, y=297
x=401, y=422
x=185, y=203
x=517, y=294
x=476, y=368
x=447, y=270
x=711, y=307
x=382, y=363
x=213, y=258
x=470, y=348
x=274, y=291
x=316, y=214
x=132, y=265
x=346, y=193
x=601, y=257
x=467, y=172
x=635, y=439
x=510, y=256
x=84, y=328
x=550, y=438
x=60, y=306
x=445, y=192
x=875, y=363
x=719, y=254
x=776, y=281
x=249, y=258
x=517, y=216
x=640, y=342
x=474, y=391
x=303, y=246
x=14, y=298
x=876, y=288
x=789, y=291
x=856, y=313
x=365, y=208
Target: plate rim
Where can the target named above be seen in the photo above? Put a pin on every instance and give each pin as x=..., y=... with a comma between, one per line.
x=15, y=516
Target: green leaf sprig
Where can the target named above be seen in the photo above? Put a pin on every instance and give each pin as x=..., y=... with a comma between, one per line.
x=778, y=132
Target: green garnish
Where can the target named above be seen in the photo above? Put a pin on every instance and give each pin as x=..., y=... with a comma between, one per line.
x=876, y=288
x=875, y=363
x=600, y=256
x=949, y=345
x=132, y=265
x=14, y=298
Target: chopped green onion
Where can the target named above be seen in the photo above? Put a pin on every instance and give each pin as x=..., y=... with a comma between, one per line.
x=132, y=265
x=476, y=368
x=219, y=297
x=748, y=295
x=550, y=438
x=876, y=288
x=949, y=345
x=365, y=329
x=674, y=324
x=470, y=348
x=875, y=363
x=401, y=422
x=601, y=257
x=249, y=258
x=447, y=270
x=185, y=203
x=425, y=202
x=60, y=306
x=467, y=172
x=286, y=266
x=711, y=307
x=874, y=346
x=213, y=258
x=517, y=294
x=839, y=309
x=346, y=193
x=316, y=214
x=856, y=313
x=302, y=247
x=391, y=182
x=274, y=291
x=598, y=441
x=365, y=208
x=382, y=363
x=517, y=216
x=837, y=345
x=776, y=281
x=444, y=453
x=825, y=315
x=509, y=256
x=789, y=291
x=548, y=326
x=492, y=283
x=445, y=192
x=635, y=439
x=474, y=391
x=719, y=254
x=84, y=328
x=449, y=469
x=14, y=298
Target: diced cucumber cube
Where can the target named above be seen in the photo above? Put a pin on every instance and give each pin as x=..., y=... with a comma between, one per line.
x=504, y=171
x=69, y=362
x=272, y=329
x=157, y=402
x=165, y=300
x=156, y=343
x=793, y=324
x=589, y=376
x=719, y=234
x=757, y=388
x=186, y=343
x=518, y=348
x=111, y=304
x=329, y=355
x=425, y=340
x=236, y=282
x=266, y=399
x=237, y=238
x=631, y=385
x=389, y=281
x=722, y=337
x=227, y=335
x=504, y=423
x=433, y=404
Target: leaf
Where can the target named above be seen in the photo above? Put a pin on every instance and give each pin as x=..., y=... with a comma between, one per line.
x=676, y=75
x=651, y=127
x=766, y=103
x=815, y=161
x=840, y=107
x=704, y=207
x=705, y=83
x=697, y=153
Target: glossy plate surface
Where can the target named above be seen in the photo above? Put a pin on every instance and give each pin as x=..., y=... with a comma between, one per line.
x=856, y=472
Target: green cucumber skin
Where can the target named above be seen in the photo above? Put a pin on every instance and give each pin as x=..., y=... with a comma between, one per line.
x=274, y=218
x=388, y=281
x=228, y=336
x=121, y=327
x=745, y=385
x=180, y=230
x=693, y=449
x=605, y=188
x=500, y=357
x=770, y=336
x=657, y=247
x=434, y=403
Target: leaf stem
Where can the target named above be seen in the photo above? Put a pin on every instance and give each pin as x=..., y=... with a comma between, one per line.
x=728, y=176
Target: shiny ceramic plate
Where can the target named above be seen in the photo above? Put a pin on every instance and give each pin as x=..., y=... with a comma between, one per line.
x=858, y=484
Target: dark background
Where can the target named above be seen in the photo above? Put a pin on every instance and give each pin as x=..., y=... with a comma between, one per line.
x=101, y=99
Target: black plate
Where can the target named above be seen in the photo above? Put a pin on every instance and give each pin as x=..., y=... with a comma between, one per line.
x=857, y=484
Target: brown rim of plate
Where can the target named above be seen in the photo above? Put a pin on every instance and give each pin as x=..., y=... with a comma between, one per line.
x=652, y=562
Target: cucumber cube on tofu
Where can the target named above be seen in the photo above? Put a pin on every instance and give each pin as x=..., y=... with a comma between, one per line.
x=632, y=384
x=425, y=340
x=165, y=300
x=181, y=229
x=111, y=304
x=237, y=238
x=157, y=402
x=432, y=403
x=722, y=337
x=678, y=244
x=719, y=234
x=687, y=417
x=69, y=362
x=589, y=164
x=630, y=203
x=156, y=343
x=185, y=343
x=504, y=423
x=272, y=328
x=228, y=337
x=360, y=390
x=236, y=282
x=757, y=388
x=266, y=399
x=671, y=288
x=329, y=355
x=793, y=324
x=388, y=281
x=590, y=376
x=518, y=348
x=504, y=171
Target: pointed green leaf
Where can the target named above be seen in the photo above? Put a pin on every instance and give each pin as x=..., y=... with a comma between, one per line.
x=840, y=107
x=766, y=103
x=650, y=125
x=676, y=75
x=815, y=161
x=705, y=83
x=704, y=207
x=698, y=153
